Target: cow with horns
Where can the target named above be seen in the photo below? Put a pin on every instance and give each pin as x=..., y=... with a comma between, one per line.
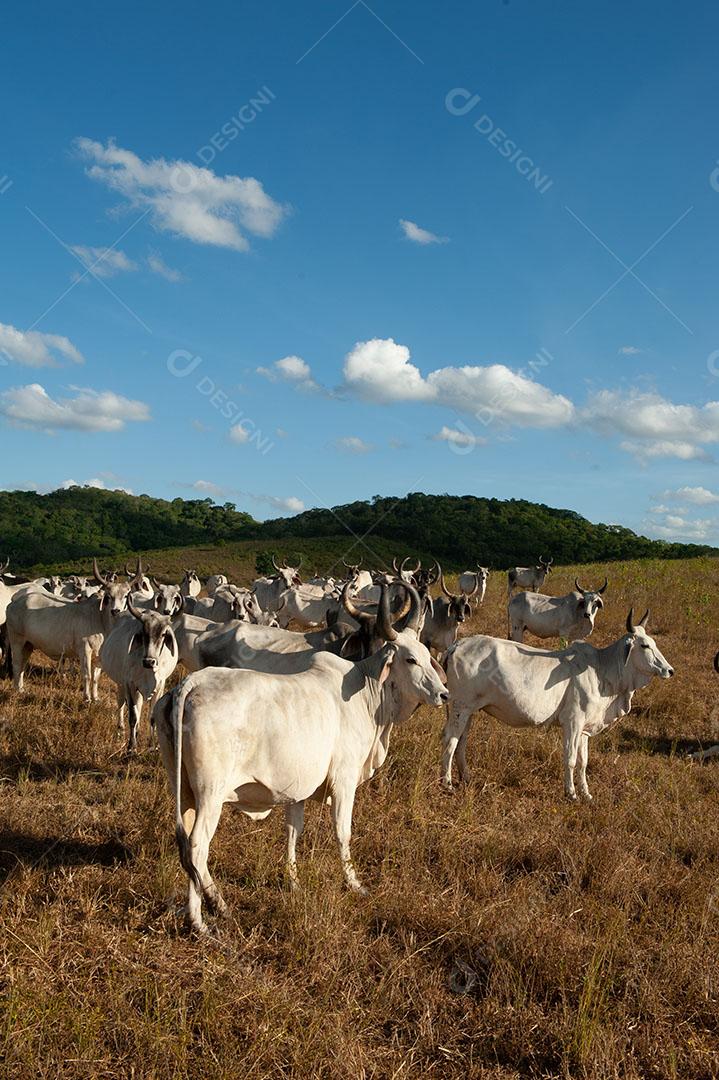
x=444, y=617
x=528, y=577
x=569, y=617
x=190, y=584
x=474, y=582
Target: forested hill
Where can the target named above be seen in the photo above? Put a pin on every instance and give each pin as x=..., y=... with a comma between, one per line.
x=69, y=524
x=80, y=522
x=462, y=530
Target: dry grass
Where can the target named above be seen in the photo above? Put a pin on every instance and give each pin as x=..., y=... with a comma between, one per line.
x=592, y=931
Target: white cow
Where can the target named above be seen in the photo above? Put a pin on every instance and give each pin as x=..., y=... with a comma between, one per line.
x=139, y=655
x=215, y=582
x=308, y=605
x=59, y=627
x=581, y=688
x=262, y=740
x=190, y=584
x=570, y=617
x=474, y=582
x=528, y=577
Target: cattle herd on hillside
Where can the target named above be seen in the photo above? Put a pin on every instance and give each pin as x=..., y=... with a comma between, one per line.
x=270, y=715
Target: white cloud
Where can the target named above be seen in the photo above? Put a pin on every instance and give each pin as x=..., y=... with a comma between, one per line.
x=420, y=236
x=238, y=434
x=629, y=350
x=662, y=448
x=289, y=505
x=94, y=482
x=352, y=444
x=104, y=262
x=379, y=370
x=199, y=426
x=207, y=487
x=649, y=416
x=185, y=199
x=35, y=349
x=90, y=410
x=675, y=527
x=699, y=496
x=158, y=266
x=292, y=369
x=456, y=437
x=280, y=433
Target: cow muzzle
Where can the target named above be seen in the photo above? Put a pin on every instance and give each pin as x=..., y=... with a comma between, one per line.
x=149, y=662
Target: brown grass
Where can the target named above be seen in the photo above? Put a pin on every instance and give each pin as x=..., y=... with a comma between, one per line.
x=591, y=933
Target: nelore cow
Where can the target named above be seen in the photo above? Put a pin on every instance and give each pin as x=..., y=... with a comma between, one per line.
x=59, y=627
x=569, y=617
x=269, y=590
x=261, y=740
x=581, y=688
x=139, y=655
x=528, y=577
x=190, y=584
x=444, y=617
x=474, y=582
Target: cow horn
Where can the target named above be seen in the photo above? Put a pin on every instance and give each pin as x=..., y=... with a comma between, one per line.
x=630, y=621
x=128, y=571
x=274, y=562
x=644, y=619
x=155, y=583
x=394, y=565
x=577, y=586
x=415, y=610
x=299, y=564
x=96, y=571
x=4, y=567
x=384, y=619
x=475, y=590
x=132, y=609
x=417, y=567
x=603, y=588
x=442, y=585
x=352, y=609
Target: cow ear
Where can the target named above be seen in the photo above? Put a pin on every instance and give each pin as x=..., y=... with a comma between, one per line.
x=387, y=655
x=439, y=670
x=580, y=603
x=135, y=642
x=628, y=650
x=171, y=644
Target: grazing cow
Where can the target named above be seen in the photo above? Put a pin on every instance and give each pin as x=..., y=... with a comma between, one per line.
x=263, y=740
x=443, y=619
x=569, y=617
x=581, y=688
x=528, y=577
x=190, y=584
x=474, y=582
x=308, y=605
x=139, y=655
x=59, y=627
x=270, y=590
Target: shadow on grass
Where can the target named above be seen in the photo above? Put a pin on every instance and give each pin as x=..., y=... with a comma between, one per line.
x=13, y=767
x=629, y=739
x=19, y=849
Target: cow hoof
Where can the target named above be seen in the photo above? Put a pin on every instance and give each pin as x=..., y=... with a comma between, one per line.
x=359, y=890
x=587, y=797
x=571, y=796
x=447, y=786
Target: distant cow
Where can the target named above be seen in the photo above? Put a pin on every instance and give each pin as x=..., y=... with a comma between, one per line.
x=474, y=582
x=528, y=577
x=570, y=617
x=581, y=688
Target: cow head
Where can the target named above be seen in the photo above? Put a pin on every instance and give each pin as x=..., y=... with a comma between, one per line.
x=290, y=575
x=139, y=580
x=458, y=608
x=414, y=674
x=642, y=652
x=588, y=602
x=168, y=598
x=190, y=584
x=113, y=594
x=545, y=565
x=155, y=635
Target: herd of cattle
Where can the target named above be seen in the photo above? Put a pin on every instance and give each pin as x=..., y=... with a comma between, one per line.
x=270, y=716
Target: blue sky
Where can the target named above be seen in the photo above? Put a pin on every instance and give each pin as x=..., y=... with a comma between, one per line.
x=304, y=255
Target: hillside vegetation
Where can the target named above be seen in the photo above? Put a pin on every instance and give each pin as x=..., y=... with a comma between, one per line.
x=65, y=527
x=590, y=931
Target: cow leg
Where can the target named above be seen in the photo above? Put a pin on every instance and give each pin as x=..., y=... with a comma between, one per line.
x=582, y=758
x=207, y=817
x=96, y=673
x=121, y=713
x=461, y=754
x=20, y=653
x=343, y=798
x=86, y=671
x=133, y=698
x=294, y=821
x=516, y=631
x=571, y=739
x=455, y=730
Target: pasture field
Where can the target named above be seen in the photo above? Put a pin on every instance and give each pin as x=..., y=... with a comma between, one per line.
x=588, y=934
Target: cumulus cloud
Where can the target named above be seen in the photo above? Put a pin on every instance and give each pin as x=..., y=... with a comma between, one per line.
x=380, y=371
x=185, y=199
x=413, y=232
x=289, y=505
x=649, y=416
x=665, y=448
x=699, y=496
x=104, y=262
x=674, y=527
x=458, y=437
x=629, y=350
x=292, y=369
x=89, y=410
x=34, y=349
x=158, y=266
x=352, y=444
x=239, y=434
x=94, y=482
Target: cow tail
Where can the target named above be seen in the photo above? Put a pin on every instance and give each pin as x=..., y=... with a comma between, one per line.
x=183, y=840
